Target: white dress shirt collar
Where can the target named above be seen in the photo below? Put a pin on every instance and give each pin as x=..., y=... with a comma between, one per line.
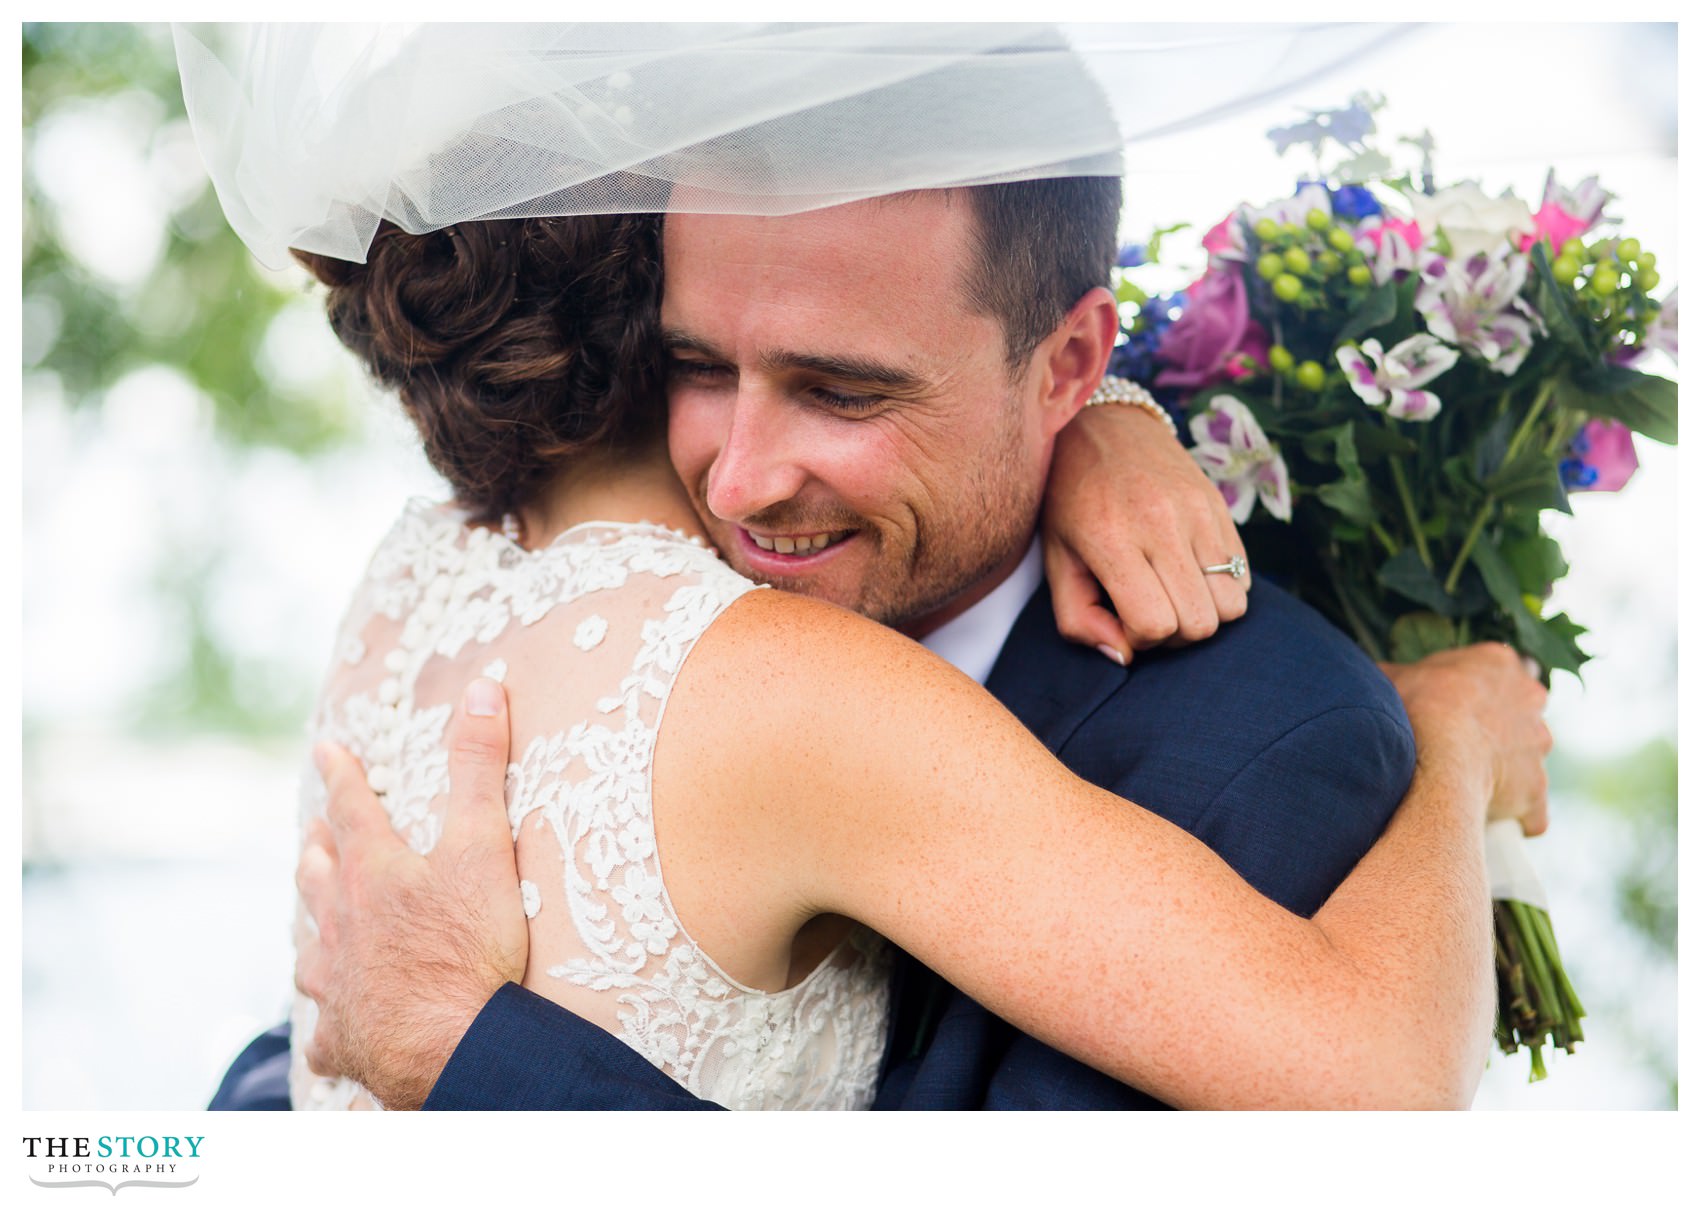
x=972, y=640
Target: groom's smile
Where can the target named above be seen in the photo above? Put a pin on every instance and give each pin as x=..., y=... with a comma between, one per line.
x=845, y=424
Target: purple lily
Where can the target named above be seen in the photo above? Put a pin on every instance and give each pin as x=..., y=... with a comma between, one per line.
x=1393, y=379
x=1231, y=447
x=1478, y=306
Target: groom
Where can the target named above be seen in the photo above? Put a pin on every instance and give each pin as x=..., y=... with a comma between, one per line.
x=874, y=377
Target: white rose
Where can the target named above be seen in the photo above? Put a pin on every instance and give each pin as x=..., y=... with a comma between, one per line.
x=1472, y=221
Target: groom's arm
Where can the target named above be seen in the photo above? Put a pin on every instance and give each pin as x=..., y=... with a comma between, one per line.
x=525, y=1053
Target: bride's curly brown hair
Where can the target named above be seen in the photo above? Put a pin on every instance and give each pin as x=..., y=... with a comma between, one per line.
x=513, y=343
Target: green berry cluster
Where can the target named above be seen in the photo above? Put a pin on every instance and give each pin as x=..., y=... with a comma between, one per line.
x=1312, y=268
x=1606, y=268
x=1300, y=263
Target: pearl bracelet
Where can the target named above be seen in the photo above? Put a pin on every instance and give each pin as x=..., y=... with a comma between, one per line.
x=1114, y=390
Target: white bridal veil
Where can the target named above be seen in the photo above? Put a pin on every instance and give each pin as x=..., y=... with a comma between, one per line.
x=314, y=133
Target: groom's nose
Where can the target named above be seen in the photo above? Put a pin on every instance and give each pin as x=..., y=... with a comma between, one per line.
x=757, y=465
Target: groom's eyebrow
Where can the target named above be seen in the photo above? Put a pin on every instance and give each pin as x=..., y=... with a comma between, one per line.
x=887, y=378
x=883, y=375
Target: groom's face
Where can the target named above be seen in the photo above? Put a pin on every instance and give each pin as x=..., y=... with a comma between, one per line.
x=845, y=423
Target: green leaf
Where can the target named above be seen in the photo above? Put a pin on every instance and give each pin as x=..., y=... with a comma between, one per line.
x=1536, y=561
x=1350, y=498
x=1549, y=641
x=1489, y=453
x=1416, y=635
x=1376, y=441
x=1405, y=573
x=1646, y=403
x=1497, y=576
x=1378, y=308
x=1350, y=495
x=1530, y=479
x=1552, y=641
x=1557, y=305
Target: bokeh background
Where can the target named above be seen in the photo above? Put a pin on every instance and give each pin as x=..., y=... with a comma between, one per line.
x=205, y=471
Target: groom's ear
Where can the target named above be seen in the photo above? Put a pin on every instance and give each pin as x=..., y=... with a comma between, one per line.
x=1072, y=359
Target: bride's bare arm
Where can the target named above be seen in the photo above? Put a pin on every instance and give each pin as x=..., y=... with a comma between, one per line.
x=862, y=776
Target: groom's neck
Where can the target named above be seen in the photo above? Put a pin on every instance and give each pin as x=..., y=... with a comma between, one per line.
x=923, y=625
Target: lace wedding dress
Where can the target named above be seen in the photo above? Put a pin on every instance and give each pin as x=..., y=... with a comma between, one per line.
x=588, y=634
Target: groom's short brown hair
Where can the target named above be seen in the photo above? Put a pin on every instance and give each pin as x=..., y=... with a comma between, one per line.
x=1038, y=246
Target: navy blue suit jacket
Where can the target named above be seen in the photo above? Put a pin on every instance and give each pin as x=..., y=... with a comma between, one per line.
x=1276, y=742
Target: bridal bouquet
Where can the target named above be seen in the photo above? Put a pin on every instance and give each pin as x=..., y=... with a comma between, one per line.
x=1405, y=378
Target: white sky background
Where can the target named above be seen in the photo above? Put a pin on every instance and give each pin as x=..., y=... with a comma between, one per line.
x=1503, y=102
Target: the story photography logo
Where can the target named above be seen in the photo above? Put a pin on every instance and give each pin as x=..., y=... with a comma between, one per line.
x=113, y=1162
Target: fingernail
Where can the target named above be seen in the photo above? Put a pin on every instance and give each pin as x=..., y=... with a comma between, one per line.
x=483, y=697
x=1114, y=654
x=321, y=758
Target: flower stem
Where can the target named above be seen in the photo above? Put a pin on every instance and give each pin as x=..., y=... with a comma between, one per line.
x=1487, y=506
x=1386, y=539
x=1475, y=532
x=1410, y=505
x=1535, y=410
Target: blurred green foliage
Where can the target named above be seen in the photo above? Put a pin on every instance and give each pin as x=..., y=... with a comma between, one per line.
x=205, y=306
x=203, y=309
x=1640, y=788
x=1637, y=793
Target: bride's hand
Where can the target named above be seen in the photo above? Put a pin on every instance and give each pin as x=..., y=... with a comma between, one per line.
x=409, y=947
x=1481, y=704
x=1126, y=507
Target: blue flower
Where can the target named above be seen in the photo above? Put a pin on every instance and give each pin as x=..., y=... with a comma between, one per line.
x=1354, y=202
x=1135, y=358
x=1131, y=256
x=1577, y=474
x=1159, y=311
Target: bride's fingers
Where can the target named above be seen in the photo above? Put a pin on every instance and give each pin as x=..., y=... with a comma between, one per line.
x=478, y=741
x=1075, y=601
x=1228, y=592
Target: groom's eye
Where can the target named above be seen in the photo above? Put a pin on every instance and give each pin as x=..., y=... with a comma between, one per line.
x=845, y=401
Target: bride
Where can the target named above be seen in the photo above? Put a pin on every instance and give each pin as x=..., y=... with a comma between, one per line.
x=818, y=783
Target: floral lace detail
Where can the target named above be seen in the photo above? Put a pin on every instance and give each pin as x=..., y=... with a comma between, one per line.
x=605, y=616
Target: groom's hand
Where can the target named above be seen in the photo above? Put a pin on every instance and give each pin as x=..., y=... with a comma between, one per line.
x=1126, y=507
x=409, y=947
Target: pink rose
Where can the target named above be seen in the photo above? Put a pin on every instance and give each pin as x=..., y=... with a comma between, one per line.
x=1406, y=229
x=1214, y=335
x=1221, y=238
x=1555, y=224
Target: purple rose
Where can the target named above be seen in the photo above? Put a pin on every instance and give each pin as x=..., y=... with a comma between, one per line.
x=1200, y=348
x=1602, y=458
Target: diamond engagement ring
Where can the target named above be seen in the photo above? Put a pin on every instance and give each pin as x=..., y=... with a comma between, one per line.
x=1235, y=567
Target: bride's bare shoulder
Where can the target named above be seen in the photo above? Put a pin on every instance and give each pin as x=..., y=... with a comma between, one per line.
x=783, y=640
x=827, y=689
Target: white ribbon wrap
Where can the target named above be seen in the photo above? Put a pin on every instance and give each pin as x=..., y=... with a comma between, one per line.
x=1511, y=877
